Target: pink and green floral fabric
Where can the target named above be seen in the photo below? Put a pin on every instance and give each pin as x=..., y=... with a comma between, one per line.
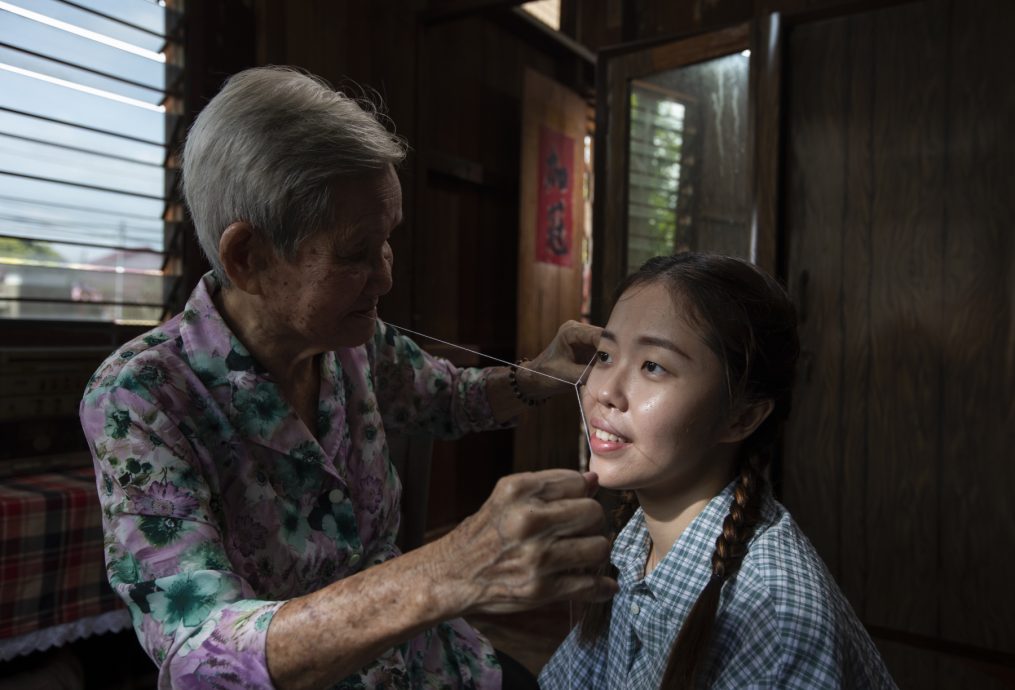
x=219, y=504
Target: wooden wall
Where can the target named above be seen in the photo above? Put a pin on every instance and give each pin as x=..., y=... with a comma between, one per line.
x=898, y=204
x=466, y=269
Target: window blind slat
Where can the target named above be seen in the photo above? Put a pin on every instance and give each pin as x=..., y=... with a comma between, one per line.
x=79, y=16
x=78, y=149
x=76, y=128
x=50, y=100
x=158, y=33
x=51, y=65
x=65, y=69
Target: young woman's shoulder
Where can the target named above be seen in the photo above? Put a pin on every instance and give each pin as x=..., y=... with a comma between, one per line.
x=795, y=625
x=782, y=559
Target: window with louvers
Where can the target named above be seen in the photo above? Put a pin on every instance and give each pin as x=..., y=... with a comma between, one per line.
x=89, y=100
x=657, y=179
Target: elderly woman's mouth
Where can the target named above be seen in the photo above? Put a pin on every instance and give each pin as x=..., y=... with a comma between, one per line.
x=369, y=312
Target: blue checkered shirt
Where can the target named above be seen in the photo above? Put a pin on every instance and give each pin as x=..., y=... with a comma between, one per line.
x=781, y=623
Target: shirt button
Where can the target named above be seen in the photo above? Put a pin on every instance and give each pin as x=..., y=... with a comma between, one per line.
x=634, y=609
x=335, y=496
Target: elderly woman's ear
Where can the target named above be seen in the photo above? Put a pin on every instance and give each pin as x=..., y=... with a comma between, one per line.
x=244, y=256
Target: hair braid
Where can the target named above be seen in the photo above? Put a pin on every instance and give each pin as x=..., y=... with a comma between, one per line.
x=689, y=649
x=738, y=527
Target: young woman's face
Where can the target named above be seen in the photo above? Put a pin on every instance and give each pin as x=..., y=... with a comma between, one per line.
x=654, y=400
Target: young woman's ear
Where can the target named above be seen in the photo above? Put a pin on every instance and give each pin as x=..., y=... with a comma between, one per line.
x=244, y=257
x=747, y=420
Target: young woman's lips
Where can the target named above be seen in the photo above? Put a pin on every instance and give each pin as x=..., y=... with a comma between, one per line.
x=604, y=439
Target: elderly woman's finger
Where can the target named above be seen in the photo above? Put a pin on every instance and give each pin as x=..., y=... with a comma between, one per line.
x=578, y=554
x=568, y=517
x=584, y=588
x=552, y=485
x=579, y=334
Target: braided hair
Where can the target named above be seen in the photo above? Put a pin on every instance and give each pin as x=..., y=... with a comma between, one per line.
x=747, y=320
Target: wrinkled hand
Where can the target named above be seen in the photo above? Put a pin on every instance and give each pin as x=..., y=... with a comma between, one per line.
x=532, y=542
x=567, y=358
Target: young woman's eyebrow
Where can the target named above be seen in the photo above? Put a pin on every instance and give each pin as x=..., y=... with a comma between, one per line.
x=663, y=343
x=652, y=341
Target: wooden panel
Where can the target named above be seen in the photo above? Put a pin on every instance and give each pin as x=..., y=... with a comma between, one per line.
x=447, y=209
x=904, y=415
x=548, y=294
x=907, y=326
x=978, y=338
x=816, y=160
x=855, y=257
x=909, y=670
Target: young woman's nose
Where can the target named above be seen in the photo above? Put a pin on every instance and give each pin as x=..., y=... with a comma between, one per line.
x=609, y=388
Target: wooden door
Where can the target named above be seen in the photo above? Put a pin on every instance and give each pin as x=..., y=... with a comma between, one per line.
x=898, y=209
x=550, y=255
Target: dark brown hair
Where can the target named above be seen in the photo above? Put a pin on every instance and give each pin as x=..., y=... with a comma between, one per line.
x=748, y=321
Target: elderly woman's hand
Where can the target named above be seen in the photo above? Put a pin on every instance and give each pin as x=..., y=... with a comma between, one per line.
x=538, y=538
x=566, y=358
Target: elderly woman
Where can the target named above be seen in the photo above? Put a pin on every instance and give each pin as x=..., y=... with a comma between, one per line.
x=249, y=505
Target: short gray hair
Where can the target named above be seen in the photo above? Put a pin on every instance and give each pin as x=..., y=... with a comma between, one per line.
x=269, y=148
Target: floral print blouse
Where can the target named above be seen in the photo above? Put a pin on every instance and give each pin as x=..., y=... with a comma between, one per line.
x=219, y=504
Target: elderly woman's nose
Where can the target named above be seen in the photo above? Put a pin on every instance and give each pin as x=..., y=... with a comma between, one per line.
x=380, y=278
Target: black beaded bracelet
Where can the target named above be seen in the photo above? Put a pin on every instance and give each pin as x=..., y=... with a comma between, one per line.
x=516, y=389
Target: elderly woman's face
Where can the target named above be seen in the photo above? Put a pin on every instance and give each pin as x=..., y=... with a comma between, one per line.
x=328, y=293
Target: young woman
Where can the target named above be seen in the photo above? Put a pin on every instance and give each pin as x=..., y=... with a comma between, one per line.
x=718, y=586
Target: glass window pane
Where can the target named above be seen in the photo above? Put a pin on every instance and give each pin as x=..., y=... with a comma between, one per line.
x=39, y=280
x=688, y=185
x=139, y=23
x=81, y=159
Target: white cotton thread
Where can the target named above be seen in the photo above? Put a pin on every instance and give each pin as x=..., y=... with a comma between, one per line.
x=581, y=408
x=576, y=384
x=480, y=354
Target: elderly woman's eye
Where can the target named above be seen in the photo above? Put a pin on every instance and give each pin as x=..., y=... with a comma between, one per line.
x=355, y=257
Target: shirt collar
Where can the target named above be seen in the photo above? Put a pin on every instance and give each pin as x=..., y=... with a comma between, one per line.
x=688, y=559
x=241, y=386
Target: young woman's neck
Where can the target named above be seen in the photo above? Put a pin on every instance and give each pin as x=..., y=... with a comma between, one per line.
x=668, y=515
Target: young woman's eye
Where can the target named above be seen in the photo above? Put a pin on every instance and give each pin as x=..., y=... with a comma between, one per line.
x=602, y=357
x=653, y=368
